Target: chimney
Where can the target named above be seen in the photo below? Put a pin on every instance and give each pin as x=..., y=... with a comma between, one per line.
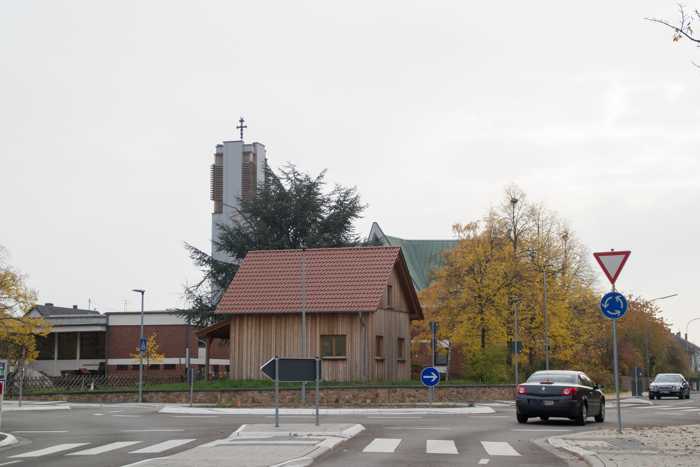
x=75, y=307
x=48, y=304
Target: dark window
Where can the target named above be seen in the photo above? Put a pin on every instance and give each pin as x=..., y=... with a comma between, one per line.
x=154, y=366
x=169, y=366
x=201, y=343
x=388, y=297
x=401, y=351
x=134, y=367
x=379, y=346
x=333, y=346
x=45, y=346
x=92, y=345
x=67, y=345
x=122, y=367
x=548, y=377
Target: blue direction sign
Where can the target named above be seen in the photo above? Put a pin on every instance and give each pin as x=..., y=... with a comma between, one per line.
x=430, y=376
x=613, y=305
x=142, y=345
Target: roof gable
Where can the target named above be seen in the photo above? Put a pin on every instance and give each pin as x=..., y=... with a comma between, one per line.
x=335, y=280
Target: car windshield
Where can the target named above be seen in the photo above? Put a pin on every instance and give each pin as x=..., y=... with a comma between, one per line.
x=567, y=378
x=667, y=379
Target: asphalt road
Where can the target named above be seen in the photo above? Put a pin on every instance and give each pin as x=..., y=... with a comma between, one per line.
x=110, y=435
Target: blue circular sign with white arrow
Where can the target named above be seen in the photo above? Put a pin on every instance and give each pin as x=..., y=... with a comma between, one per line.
x=613, y=305
x=430, y=376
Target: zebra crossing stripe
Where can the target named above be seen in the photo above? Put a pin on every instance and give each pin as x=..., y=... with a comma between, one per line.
x=440, y=446
x=104, y=448
x=49, y=450
x=499, y=448
x=386, y=445
x=164, y=446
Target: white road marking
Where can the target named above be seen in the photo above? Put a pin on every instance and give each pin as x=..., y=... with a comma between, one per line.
x=104, y=448
x=437, y=428
x=440, y=446
x=484, y=461
x=540, y=429
x=50, y=450
x=149, y=430
x=41, y=431
x=499, y=448
x=194, y=416
x=395, y=418
x=98, y=414
x=382, y=445
x=164, y=446
x=11, y=462
x=130, y=416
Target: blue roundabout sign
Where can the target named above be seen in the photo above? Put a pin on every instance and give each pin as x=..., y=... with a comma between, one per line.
x=613, y=305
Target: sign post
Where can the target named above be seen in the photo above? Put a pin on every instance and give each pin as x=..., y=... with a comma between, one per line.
x=292, y=370
x=430, y=377
x=613, y=305
x=3, y=372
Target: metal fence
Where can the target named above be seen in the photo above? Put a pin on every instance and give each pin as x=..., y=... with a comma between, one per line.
x=84, y=383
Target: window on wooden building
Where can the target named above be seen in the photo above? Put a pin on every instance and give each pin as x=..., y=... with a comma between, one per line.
x=379, y=347
x=333, y=346
x=388, y=297
x=45, y=345
x=401, y=351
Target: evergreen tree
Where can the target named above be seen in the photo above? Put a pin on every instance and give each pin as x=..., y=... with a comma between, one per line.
x=290, y=210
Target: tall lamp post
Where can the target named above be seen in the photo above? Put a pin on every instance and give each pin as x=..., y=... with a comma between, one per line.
x=141, y=349
x=646, y=340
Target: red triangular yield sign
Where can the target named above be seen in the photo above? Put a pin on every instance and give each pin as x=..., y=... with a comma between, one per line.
x=612, y=262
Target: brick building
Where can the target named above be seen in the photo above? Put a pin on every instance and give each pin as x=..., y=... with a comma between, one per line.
x=86, y=341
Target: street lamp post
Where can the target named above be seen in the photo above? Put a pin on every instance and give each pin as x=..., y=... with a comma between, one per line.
x=142, y=292
x=646, y=340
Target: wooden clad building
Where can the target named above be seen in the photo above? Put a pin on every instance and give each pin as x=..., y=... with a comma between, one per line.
x=358, y=302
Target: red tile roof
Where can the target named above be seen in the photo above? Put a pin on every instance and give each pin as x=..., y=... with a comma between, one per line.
x=335, y=280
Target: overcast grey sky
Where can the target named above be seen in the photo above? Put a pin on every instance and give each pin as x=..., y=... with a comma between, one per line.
x=110, y=111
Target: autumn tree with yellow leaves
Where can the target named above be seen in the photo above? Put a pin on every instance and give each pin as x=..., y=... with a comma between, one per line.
x=152, y=354
x=17, y=332
x=502, y=262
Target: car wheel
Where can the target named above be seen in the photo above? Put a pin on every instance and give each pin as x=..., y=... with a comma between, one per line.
x=681, y=396
x=544, y=419
x=521, y=418
x=651, y=397
x=582, y=414
x=600, y=418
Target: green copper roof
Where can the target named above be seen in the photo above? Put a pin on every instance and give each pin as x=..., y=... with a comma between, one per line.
x=422, y=256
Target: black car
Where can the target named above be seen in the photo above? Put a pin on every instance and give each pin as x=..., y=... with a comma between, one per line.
x=567, y=394
x=669, y=384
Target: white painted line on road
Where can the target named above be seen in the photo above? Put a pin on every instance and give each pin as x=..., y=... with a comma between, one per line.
x=130, y=416
x=11, y=462
x=484, y=461
x=149, y=430
x=164, y=446
x=50, y=450
x=104, y=448
x=116, y=411
x=499, y=448
x=40, y=431
x=144, y=461
x=387, y=445
x=438, y=428
x=395, y=418
x=98, y=414
x=192, y=416
x=440, y=446
x=490, y=416
x=540, y=429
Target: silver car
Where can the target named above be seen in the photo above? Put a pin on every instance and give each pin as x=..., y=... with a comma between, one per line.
x=669, y=384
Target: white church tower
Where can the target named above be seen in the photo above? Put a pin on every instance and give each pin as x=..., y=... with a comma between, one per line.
x=237, y=170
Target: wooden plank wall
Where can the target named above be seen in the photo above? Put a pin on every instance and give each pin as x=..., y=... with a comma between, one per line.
x=257, y=338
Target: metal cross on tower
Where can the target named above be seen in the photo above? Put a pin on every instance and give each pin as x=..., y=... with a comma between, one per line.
x=241, y=126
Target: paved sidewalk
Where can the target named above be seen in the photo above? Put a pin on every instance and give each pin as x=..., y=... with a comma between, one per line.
x=13, y=406
x=263, y=445
x=637, y=447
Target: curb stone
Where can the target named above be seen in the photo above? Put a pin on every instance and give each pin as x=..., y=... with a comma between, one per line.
x=8, y=441
x=327, y=445
x=589, y=456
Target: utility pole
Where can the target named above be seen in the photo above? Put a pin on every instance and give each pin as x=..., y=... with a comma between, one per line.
x=303, y=318
x=544, y=312
x=141, y=346
x=516, y=342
